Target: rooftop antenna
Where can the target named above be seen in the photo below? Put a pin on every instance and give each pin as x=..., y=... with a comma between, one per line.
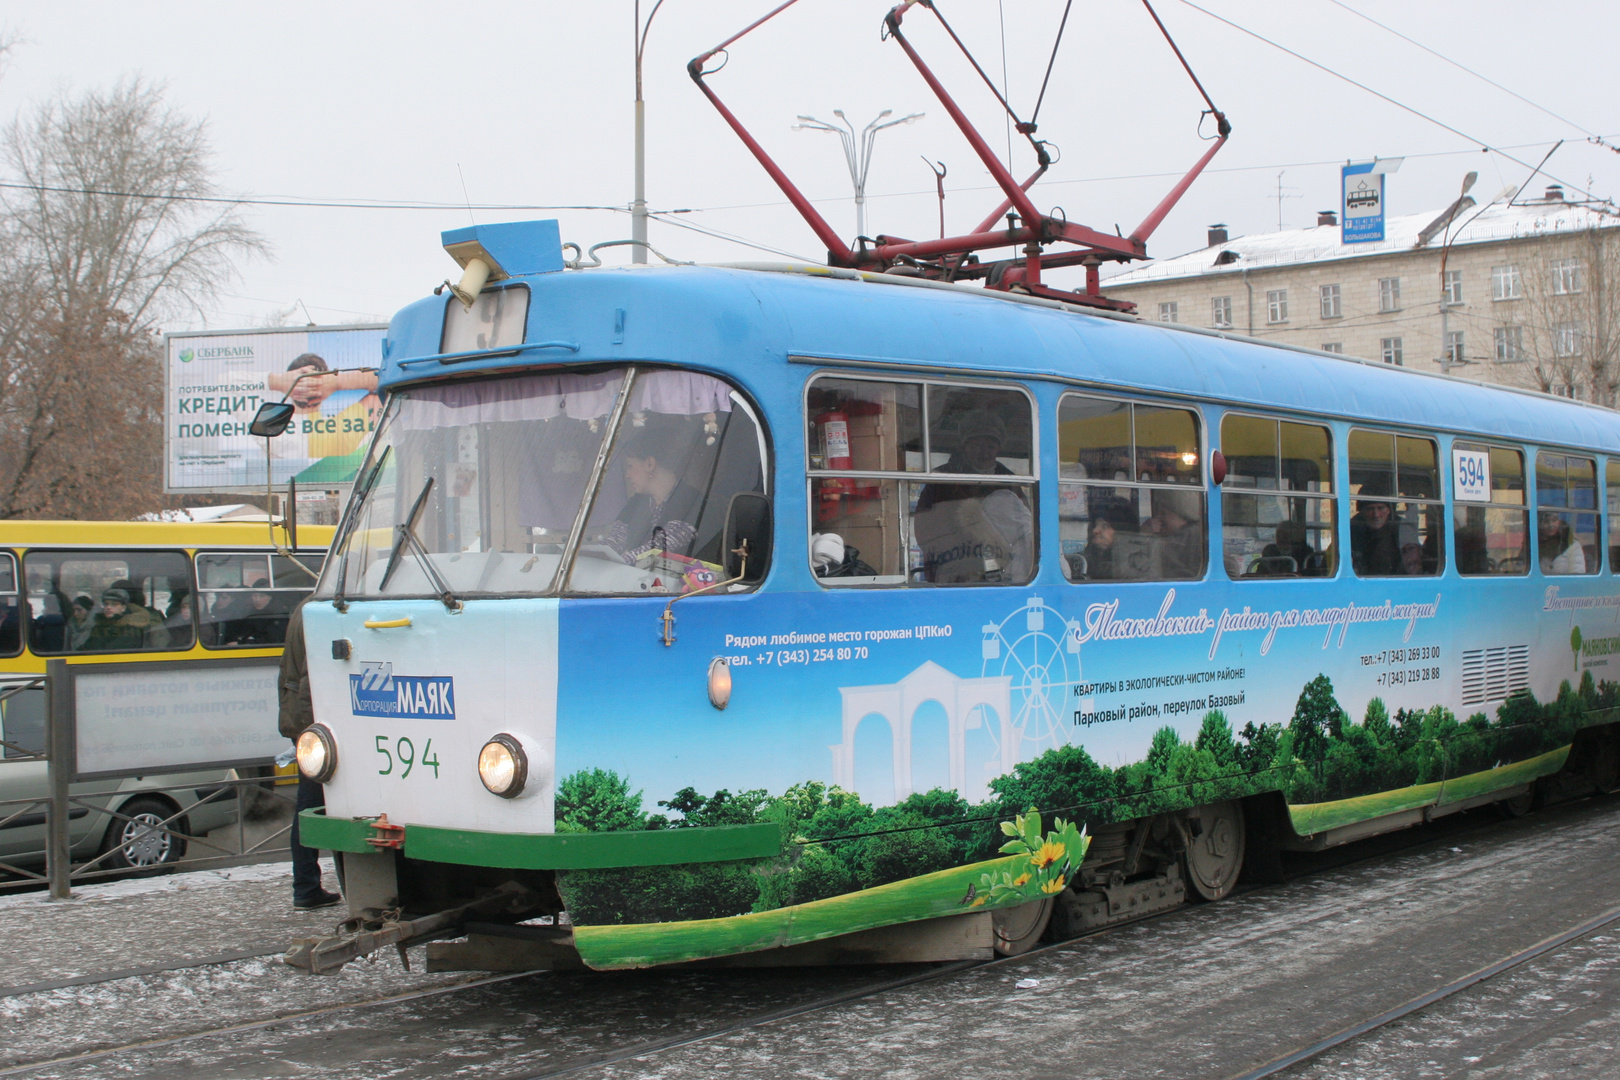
x=1280, y=196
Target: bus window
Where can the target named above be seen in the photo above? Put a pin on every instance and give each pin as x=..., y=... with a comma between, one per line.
x=245, y=599
x=975, y=524
x=685, y=446
x=108, y=601
x=1612, y=475
x=1130, y=491
x=11, y=613
x=1277, y=499
x=1493, y=537
x=1566, y=514
x=1399, y=521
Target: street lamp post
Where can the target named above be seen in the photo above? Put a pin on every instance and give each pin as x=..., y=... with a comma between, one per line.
x=638, y=208
x=1447, y=359
x=857, y=149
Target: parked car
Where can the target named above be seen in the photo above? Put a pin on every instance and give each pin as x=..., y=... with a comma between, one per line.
x=148, y=801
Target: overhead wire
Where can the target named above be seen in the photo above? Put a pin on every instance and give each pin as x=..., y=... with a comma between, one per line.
x=1481, y=143
x=278, y=200
x=1463, y=67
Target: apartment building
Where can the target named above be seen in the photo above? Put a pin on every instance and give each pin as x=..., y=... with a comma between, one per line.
x=1520, y=294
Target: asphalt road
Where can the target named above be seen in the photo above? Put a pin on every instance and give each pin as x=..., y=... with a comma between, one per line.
x=1209, y=991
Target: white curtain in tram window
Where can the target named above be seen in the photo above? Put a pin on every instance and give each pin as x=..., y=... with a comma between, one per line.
x=681, y=393
x=533, y=397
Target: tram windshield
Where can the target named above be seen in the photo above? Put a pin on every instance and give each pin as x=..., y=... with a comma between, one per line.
x=476, y=488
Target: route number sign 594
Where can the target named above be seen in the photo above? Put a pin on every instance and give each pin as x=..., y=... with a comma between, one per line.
x=1471, y=475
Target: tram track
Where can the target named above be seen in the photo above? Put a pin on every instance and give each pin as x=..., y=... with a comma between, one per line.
x=344, y=1019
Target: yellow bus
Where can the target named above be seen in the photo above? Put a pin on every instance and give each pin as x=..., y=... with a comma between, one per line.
x=110, y=592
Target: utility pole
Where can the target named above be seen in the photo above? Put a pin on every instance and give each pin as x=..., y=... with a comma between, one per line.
x=638, y=208
x=857, y=150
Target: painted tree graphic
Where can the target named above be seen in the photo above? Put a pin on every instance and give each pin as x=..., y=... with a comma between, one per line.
x=1575, y=644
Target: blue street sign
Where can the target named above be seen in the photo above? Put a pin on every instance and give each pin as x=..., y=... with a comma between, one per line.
x=1363, y=215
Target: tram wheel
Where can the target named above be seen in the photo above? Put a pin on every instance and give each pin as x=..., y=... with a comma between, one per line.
x=1018, y=929
x=1216, y=840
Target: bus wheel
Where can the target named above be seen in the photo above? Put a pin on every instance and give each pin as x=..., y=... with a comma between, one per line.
x=1018, y=929
x=1215, y=845
x=140, y=843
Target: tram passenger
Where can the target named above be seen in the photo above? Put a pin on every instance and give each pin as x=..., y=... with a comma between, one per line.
x=976, y=532
x=1375, y=546
x=662, y=510
x=1560, y=554
x=1179, y=536
x=1114, y=550
x=1290, y=542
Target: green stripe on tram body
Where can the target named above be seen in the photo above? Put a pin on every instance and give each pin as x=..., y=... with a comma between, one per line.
x=552, y=851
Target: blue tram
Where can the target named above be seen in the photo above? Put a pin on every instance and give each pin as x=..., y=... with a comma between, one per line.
x=773, y=611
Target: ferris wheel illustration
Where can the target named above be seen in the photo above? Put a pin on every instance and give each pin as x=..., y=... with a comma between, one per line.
x=1039, y=652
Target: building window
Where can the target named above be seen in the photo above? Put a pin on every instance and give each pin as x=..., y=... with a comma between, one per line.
x=1390, y=350
x=1505, y=283
x=1452, y=289
x=1567, y=340
x=918, y=482
x=1566, y=277
x=1334, y=347
x=1509, y=343
x=1167, y=312
x=1221, y=311
x=1276, y=305
x=1330, y=302
x=1130, y=493
x=1454, y=346
x=1389, y=294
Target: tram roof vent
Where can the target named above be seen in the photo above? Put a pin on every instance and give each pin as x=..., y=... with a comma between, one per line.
x=511, y=248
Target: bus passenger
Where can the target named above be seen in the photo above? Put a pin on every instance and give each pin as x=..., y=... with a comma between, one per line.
x=663, y=508
x=81, y=620
x=975, y=532
x=124, y=625
x=1375, y=548
x=257, y=620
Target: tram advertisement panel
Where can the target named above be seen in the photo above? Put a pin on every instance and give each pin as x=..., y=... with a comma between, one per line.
x=215, y=382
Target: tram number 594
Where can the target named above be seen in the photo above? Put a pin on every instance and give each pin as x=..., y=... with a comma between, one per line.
x=404, y=753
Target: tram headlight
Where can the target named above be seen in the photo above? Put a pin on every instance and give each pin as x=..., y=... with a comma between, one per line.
x=317, y=753
x=503, y=766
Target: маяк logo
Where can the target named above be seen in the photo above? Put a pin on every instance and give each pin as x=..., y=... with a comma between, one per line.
x=377, y=691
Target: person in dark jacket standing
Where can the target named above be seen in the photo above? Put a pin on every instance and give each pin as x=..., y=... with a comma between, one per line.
x=298, y=713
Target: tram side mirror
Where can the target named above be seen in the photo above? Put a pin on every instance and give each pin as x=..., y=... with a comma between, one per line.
x=748, y=518
x=271, y=419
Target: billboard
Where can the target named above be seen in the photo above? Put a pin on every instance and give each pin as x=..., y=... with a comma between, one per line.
x=215, y=381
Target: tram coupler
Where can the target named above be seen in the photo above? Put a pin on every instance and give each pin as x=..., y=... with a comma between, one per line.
x=377, y=928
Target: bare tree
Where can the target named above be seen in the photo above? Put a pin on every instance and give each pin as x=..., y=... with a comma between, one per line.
x=116, y=225
x=1572, y=334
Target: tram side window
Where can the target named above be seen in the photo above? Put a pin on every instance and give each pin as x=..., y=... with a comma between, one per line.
x=108, y=601
x=1131, y=503
x=686, y=446
x=1492, y=535
x=11, y=613
x=22, y=723
x=1277, y=499
x=1612, y=476
x=1399, y=525
x=1566, y=514
x=974, y=523
x=246, y=599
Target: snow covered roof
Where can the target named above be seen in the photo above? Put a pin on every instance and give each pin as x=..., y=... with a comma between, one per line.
x=1320, y=243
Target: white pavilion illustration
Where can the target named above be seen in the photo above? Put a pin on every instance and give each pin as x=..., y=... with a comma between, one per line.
x=898, y=703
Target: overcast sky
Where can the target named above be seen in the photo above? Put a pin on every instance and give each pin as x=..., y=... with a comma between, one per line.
x=531, y=104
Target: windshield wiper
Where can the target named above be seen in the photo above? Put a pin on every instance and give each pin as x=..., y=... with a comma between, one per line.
x=406, y=537
x=340, y=542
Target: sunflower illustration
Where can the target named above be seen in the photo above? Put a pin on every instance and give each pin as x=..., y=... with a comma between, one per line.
x=1047, y=854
